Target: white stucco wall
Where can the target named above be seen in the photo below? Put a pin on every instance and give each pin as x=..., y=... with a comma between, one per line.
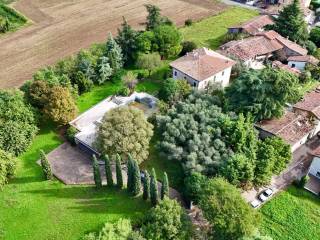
x=298, y=65
x=222, y=77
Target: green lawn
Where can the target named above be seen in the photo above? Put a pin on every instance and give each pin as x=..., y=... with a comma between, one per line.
x=16, y=19
x=210, y=32
x=293, y=214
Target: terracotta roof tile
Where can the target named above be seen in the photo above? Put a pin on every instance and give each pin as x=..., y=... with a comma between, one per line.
x=280, y=65
x=202, y=63
x=306, y=58
x=310, y=103
x=253, y=26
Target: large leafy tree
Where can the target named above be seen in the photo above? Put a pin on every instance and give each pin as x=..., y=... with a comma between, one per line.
x=61, y=107
x=315, y=35
x=291, y=23
x=166, y=221
x=263, y=93
x=124, y=131
x=17, y=122
x=223, y=206
x=191, y=133
x=168, y=40
x=127, y=40
x=149, y=61
x=173, y=90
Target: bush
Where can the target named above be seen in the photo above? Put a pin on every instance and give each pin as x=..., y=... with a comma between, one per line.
x=7, y=167
x=70, y=135
x=124, y=91
x=46, y=168
x=188, y=22
x=187, y=46
x=194, y=185
x=303, y=181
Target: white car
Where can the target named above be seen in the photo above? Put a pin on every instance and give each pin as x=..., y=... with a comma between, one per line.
x=265, y=195
x=255, y=203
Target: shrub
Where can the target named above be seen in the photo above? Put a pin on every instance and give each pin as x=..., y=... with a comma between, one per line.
x=7, y=167
x=187, y=46
x=124, y=91
x=303, y=181
x=146, y=186
x=107, y=167
x=124, y=131
x=188, y=22
x=46, y=168
x=70, y=135
x=154, y=195
x=194, y=185
x=96, y=172
x=149, y=61
x=81, y=80
x=136, y=179
x=165, y=186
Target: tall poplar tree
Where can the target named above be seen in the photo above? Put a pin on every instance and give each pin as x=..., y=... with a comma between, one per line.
x=129, y=173
x=154, y=195
x=136, y=179
x=146, y=185
x=119, y=172
x=165, y=186
x=96, y=172
x=108, y=170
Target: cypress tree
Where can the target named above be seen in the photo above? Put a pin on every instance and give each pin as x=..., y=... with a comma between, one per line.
x=119, y=172
x=107, y=167
x=136, y=179
x=154, y=195
x=146, y=186
x=165, y=186
x=46, y=168
x=114, y=54
x=129, y=173
x=96, y=172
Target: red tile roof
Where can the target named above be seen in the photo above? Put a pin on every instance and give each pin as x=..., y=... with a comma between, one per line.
x=306, y=58
x=248, y=48
x=310, y=103
x=202, y=63
x=253, y=26
x=272, y=35
x=291, y=127
x=280, y=65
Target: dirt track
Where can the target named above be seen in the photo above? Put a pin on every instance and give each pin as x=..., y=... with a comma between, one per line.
x=62, y=27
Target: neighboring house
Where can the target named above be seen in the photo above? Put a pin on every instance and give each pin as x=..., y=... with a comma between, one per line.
x=253, y=26
x=313, y=184
x=88, y=122
x=280, y=65
x=253, y=51
x=300, y=62
x=298, y=125
x=203, y=67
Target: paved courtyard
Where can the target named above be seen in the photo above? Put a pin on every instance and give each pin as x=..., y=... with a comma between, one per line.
x=72, y=166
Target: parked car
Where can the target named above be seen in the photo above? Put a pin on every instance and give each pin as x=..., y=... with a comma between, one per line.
x=265, y=195
x=255, y=203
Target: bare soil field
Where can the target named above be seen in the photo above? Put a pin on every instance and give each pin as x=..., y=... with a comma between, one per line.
x=62, y=27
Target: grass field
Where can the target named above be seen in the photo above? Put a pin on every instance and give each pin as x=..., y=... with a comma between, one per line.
x=294, y=214
x=210, y=31
x=16, y=19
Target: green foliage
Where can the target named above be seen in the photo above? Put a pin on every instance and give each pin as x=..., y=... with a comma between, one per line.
x=263, y=93
x=149, y=61
x=86, y=62
x=125, y=130
x=70, y=135
x=165, y=186
x=166, y=221
x=187, y=46
x=223, y=206
x=146, y=185
x=96, y=172
x=154, y=194
x=45, y=165
x=154, y=18
x=168, y=40
x=17, y=122
x=311, y=47
x=37, y=93
x=8, y=165
x=188, y=22
x=130, y=80
x=107, y=167
x=130, y=166
x=145, y=42
x=120, y=230
x=291, y=23
x=10, y=19
x=127, y=40
x=4, y=24
x=61, y=107
x=104, y=69
x=83, y=83
x=114, y=54
x=194, y=185
x=136, y=179
x=174, y=90
x=197, y=121
x=119, y=172
x=315, y=35
x=303, y=181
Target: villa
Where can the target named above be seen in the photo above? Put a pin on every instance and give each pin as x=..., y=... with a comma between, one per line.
x=88, y=122
x=203, y=67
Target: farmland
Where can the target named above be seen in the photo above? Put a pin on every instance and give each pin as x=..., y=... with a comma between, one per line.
x=61, y=28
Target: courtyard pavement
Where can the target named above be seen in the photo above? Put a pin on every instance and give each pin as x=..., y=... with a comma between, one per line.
x=297, y=168
x=74, y=167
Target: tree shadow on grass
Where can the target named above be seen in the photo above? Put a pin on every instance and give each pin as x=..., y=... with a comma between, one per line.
x=303, y=194
x=88, y=199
